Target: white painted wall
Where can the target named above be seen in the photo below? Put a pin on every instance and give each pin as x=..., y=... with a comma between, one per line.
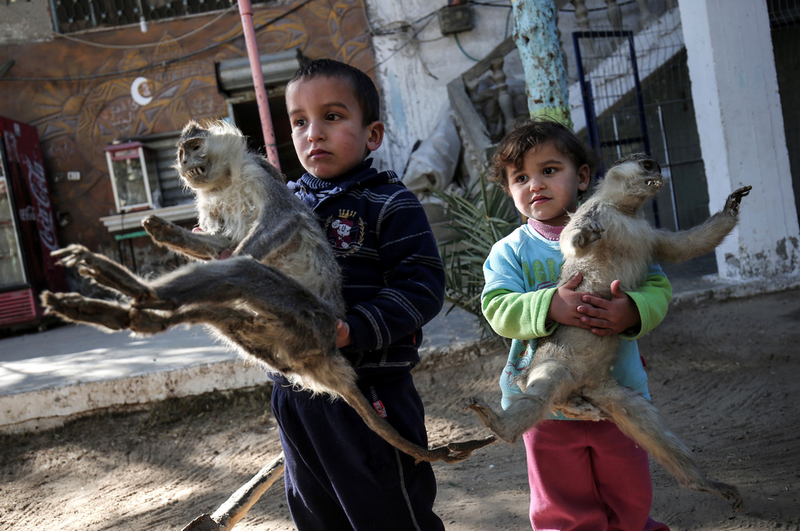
x=739, y=119
x=415, y=63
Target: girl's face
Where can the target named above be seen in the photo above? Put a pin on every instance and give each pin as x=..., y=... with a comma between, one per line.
x=546, y=186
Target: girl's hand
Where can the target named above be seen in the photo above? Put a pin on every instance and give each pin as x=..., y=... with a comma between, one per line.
x=607, y=318
x=565, y=302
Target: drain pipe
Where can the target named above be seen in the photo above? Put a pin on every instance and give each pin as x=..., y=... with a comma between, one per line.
x=246, y=12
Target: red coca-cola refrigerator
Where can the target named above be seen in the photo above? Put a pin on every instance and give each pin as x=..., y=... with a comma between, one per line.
x=27, y=227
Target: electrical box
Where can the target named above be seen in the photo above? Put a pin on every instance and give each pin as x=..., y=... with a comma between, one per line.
x=134, y=177
x=455, y=19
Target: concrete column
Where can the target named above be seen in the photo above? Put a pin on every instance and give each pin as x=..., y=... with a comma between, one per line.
x=739, y=119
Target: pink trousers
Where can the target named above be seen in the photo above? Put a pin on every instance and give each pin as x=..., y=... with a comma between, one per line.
x=588, y=476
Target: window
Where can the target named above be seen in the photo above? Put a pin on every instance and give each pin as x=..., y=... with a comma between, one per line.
x=77, y=15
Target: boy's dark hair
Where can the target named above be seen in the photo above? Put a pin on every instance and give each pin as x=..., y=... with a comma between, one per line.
x=512, y=148
x=364, y=89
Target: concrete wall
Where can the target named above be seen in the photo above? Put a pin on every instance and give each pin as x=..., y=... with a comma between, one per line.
x=25, y=21
x=415, y=63
x=739, y=119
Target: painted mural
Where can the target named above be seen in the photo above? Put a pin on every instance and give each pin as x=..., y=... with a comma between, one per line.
x=125, y=83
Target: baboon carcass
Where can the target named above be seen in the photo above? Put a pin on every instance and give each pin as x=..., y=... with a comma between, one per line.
x=276, y=299
x=607, y=239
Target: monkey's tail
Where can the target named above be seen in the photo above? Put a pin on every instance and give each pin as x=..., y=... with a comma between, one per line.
x=450, y=453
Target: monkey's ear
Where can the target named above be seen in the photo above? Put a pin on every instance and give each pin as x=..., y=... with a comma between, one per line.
x=375, y=138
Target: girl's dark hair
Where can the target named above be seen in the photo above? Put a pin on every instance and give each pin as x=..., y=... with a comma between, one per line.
x=512, y=149
x=363, y=88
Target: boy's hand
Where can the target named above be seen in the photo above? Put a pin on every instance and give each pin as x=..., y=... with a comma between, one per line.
x=342, y=334
x=565, y=302
x=607, y=318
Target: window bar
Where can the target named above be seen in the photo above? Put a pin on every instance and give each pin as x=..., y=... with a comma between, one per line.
x=56, y=25
x=91, y=12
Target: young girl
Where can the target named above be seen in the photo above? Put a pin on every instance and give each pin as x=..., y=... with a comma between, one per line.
x=584, y=475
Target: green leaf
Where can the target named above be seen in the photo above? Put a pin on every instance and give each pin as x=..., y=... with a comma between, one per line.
x=482, y=216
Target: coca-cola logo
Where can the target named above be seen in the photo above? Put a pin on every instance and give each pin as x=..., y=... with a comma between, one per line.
x=34, y=172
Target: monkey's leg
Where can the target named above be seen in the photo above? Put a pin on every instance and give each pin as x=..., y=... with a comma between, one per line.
x=264, y=289
x=77, y=308
x=227, y=320
x=193, y=244
x=697, y=241
x=550, y=381
x=104, y=271
x=642, y=421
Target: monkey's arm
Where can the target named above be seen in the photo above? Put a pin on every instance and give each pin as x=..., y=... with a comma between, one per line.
x=584, y=228
x=270, y=234
x=684, y=245
x=198, y=245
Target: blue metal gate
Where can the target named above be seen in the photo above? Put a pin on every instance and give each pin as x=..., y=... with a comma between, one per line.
x=606, y=87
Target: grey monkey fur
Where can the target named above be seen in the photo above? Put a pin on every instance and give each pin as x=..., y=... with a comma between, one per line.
x=605, y=240
x=276, y=299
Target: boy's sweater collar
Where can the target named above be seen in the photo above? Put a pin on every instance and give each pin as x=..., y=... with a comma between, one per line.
x=359, y=173
x=313, y=190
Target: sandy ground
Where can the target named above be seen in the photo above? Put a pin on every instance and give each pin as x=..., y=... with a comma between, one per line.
x=725, y=374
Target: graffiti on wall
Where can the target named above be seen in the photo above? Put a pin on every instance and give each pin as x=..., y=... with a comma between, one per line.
x=86, y=106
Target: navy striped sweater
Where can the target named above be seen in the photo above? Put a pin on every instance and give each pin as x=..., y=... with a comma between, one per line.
x=393, y=278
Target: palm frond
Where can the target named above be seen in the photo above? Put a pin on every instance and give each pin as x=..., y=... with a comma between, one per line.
x=480, y=217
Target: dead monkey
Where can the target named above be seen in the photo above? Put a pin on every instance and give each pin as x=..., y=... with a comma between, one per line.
x=606, y=239
x=276, y=300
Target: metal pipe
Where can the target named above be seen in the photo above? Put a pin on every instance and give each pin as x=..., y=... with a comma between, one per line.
x=246, y=12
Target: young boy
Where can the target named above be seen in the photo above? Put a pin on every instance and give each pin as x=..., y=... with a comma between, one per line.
x=339, y=474
x=583, y=475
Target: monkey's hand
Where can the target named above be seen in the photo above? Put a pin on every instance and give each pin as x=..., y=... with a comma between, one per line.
x=74, y=255
x=588, y=234
x=197, y=245
x=89, y=264
x=161, y=230
x=735, y=199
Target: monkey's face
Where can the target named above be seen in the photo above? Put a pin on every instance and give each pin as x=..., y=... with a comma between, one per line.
x=636, y=176
x=191, y=163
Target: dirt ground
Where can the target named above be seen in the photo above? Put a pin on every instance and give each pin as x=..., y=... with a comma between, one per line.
x=725, y=375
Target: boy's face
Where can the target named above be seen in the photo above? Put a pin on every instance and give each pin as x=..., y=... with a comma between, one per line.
x=328, y=130
x=546, y=187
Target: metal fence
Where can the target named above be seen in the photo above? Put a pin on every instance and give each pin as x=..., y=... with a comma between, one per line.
x=652, y=114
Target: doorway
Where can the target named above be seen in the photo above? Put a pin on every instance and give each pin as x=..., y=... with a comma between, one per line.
x=246, y=118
